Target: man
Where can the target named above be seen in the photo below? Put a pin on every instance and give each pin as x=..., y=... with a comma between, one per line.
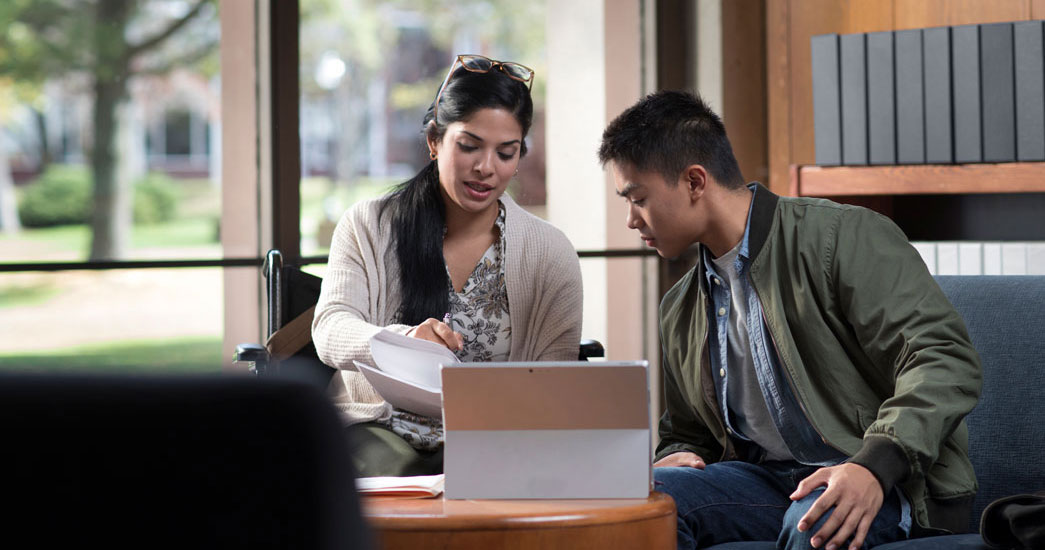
x=815, y=376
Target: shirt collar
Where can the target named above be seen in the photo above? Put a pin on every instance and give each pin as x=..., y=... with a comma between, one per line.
x=742, y=254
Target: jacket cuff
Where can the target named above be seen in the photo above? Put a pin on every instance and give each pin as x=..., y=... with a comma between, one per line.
x=885, y=459
x=675, y=448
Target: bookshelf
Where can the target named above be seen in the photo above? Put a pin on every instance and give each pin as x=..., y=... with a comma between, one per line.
x=939, y=202
x=917, y=179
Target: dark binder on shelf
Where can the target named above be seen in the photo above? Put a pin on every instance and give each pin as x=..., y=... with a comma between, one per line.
x=853, y=69
x=1030, y=90
x=997, y=84
x=827, y=123
x=881, y=106
x=965, y=64
x=936, y=53
x=910, y=98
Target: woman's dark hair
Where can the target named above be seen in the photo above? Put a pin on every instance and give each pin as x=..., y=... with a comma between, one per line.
x=415, y=207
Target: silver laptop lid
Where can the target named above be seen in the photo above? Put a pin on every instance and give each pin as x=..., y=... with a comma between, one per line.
x=571, y=395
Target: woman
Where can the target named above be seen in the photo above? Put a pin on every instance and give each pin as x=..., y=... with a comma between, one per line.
x=447, y=257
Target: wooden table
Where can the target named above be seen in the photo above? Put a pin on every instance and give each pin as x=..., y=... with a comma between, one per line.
x=521, y=524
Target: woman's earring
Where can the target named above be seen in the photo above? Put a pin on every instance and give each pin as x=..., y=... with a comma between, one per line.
x=432, y=155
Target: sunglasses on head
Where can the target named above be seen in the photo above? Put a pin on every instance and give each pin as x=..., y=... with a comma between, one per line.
x=481, y=64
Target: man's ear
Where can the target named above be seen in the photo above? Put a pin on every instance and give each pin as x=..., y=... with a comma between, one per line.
x=695, y=178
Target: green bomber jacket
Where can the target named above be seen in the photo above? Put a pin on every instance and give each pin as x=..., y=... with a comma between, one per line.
x=877, y=357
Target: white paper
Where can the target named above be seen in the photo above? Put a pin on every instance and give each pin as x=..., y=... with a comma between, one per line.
x=409, y=359
x=402, y=394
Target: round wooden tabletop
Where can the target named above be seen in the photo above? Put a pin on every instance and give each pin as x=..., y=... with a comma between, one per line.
x=518, y=524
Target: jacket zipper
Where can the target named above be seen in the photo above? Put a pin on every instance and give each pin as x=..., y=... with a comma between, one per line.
x=787, y=372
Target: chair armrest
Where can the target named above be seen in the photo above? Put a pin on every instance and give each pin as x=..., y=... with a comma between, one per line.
x=255, y=355
x=590, y=349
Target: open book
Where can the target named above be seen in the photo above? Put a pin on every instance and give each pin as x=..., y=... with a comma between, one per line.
x=406, y=372
x=402, y=487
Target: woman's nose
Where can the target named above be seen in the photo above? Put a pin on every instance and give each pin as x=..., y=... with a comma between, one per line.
x=484, y=166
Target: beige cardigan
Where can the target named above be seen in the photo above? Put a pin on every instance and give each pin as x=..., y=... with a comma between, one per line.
x=360, y=296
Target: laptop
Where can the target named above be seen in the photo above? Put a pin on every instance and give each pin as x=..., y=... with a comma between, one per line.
x=573, y=429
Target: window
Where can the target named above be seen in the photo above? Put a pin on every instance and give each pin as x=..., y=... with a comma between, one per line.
x=105, y=158
x=370, y=70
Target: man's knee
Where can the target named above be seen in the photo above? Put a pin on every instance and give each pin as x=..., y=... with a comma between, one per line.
x=674, y=481
x=670, y=475
x=790, y=536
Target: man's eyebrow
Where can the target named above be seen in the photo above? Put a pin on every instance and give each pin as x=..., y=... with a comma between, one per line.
x=628, y=189
x=480, y=140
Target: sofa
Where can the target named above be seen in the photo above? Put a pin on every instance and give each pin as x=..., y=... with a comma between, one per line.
x=1005, y=316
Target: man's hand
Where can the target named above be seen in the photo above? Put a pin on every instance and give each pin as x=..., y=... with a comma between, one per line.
x=439, y=332
x=856, y=496
x=684, y=459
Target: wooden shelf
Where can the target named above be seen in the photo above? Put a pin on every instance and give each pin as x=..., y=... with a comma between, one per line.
x=917, y=179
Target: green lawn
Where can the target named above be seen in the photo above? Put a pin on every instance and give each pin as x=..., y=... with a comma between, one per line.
x=196, y=221
x=179, y=232
x=180, y=356
x=27, y=294
x=322, y=199
x=195, y=224
x=63, y=238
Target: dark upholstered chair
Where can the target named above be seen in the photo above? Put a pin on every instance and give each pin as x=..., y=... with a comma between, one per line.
x=1005, y=316
x=291, y=292
x=188, y=462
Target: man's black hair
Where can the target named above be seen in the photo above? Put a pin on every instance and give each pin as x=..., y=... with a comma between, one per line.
x=667, y=131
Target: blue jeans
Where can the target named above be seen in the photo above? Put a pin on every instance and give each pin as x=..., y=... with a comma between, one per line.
x=739, y=501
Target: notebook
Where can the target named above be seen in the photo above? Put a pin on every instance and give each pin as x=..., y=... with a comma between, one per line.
x=547, y=430
x=401, y=487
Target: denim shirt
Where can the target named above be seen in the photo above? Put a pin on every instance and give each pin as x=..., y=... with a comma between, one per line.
x=802, y=440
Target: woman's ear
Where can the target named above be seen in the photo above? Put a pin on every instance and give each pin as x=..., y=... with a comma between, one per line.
x=432, y=140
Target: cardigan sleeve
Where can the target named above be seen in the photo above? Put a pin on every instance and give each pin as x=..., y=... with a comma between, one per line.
x=561, y=302
x=354, y=301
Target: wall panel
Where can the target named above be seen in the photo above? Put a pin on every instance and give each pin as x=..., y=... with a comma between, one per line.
x=1037, y=9
x=744, y=84
x=778, y=93
x=916, y=14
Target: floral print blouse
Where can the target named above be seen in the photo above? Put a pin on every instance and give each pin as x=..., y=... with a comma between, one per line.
x=480, y=313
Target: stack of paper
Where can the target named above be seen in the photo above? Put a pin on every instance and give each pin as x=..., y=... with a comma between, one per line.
x=402, y=487
x=407, y=371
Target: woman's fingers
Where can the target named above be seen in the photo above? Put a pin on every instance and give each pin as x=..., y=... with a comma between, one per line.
x=439, y=332
x=450, y=338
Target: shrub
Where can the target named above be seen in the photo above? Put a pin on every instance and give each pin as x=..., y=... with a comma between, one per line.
x=155, y=199
x=60, y=196
x=63, y=195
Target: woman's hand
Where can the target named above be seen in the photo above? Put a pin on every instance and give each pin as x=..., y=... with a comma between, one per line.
x=439, y=332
